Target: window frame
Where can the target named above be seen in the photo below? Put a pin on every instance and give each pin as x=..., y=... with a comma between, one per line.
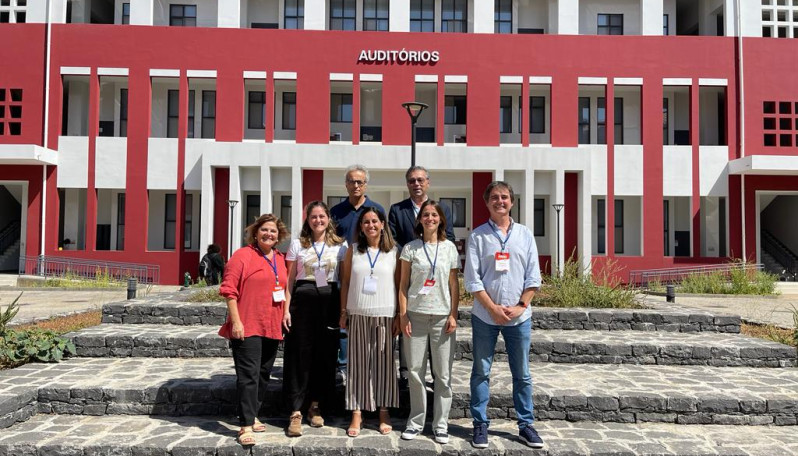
x=208, y=115
x=539, y=217
x=120, y=221
x=169, y=221
x=380, y=21
x=188, y=211
x=173, y=120
x=339, y=12
x=614, y=24
x=123, y=111
x=126, y=13
x=450, y=109
x=337, y=107
x=505, y=114
x=254, y=105
x=458, y=204
x=542, y=113
x=618, y=226
x=582, y=121
x=601, y=226
x=425, y=16
x=451, y=25
x=288, y=121
x=500, y=23
x=665, y=124
x=297, y=19
x=666, y=25
x=618, y=120
x=180, y=20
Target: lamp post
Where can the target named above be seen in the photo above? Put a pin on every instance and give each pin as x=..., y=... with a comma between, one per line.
x=232, y=204
x=558, y=208
x=414, y=109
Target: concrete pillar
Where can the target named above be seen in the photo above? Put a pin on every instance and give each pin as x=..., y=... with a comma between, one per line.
x=651, y=12
x=315, y=14
x=567, y=17
x=483, y=16
x=141, y=13
x=557, y=197
x=206, y=206
x=265, y=189
x=235, y=194
x=228, y=14
x=399, y=16
x=529, y=199
x=296, y=201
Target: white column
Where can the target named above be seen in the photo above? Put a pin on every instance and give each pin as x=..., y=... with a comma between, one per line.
x=141, y=12
x=750, y=18
x=206, y=202
x=558, y=197
x=651, y=12
x=568, y=17
x=483, y=16
x=498, y=174
x=235, y=194
x=315, y=14
x=399, y=16
x=529, y=198
x=37, y=11
x=265, y=189
x=228, y=14
x=585, y=244
x=296, y=201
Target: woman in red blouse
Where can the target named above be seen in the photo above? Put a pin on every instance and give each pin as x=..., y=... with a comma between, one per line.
x=254, y=284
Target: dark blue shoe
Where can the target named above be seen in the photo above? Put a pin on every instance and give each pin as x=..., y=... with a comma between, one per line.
x=530, y=436
x=480, y=439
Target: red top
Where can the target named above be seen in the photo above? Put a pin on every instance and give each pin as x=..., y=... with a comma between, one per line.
x=249, y=279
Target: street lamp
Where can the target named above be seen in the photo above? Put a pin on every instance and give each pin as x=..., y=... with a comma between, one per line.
x=414, y=109
x=232, y=204
x=558, y=208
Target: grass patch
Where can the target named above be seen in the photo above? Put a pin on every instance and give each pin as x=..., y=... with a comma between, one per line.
x=577, y=287
x=740, y=281
x=102, y=279
x=66, y=324
x=770, y=332
x=210, y=294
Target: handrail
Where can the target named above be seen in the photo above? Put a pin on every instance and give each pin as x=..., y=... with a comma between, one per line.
x=49, y=266
x=778, y=251
x=663, y=276
x=9, y=235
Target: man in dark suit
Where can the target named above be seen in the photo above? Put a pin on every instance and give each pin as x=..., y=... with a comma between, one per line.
x=402, y=215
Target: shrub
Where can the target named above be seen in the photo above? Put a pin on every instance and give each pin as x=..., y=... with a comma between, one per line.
x=18, y=347
x=741, y=280
x=210, y=294
x=578, y=288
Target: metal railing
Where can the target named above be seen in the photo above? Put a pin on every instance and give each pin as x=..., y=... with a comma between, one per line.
x=49, y=266
x=643, y=278
x=778, y=251
x=9, y=235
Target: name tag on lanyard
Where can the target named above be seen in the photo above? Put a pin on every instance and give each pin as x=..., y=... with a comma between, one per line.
x=321, y=277
x=278, y=294
x=502, y=261
x=370, y=285
x=429, y=284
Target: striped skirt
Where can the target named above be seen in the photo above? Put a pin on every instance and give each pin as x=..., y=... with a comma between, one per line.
x=371, y=371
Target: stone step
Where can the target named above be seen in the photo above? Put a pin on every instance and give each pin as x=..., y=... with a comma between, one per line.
x=573, y=392
x=47, y=435
x=170, y=311
x=562, y=346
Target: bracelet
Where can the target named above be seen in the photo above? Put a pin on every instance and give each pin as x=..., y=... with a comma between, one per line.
x=343, y=311
x=522, y=304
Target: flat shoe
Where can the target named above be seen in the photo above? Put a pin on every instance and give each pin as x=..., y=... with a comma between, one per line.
x=246, y=437
x=258, y=426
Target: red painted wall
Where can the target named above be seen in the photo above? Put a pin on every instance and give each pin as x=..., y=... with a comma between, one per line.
x=571, y=214
x=312, y=186
x=479, y=211
x=221, y=209
x=22, y=57
x=33, y=175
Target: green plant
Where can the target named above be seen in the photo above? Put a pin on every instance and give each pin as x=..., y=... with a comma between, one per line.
x=743, y=279
x=210, y=294
x=9, y=314
x=18, y=347
x=465, y=297
x=795, y=323
x=578, y=287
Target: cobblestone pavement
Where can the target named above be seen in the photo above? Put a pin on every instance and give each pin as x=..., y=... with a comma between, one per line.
x=774, y=310
x=142, y=435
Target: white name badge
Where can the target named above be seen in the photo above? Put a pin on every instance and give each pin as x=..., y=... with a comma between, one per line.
x=321, y=277
x=502, y=261
x=278, y=295
x=429, y=284
x=370, y=285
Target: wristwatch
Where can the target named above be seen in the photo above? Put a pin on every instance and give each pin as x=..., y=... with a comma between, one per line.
x=523, y=304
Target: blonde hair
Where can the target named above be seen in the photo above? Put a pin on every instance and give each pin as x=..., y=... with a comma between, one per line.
x=306, y=235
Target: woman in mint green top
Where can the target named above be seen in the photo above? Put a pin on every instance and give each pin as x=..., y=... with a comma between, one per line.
x=428, y=298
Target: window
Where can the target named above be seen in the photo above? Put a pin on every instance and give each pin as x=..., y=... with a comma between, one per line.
x=665, y=25
x=285, y=209
x=333, y=200
x=610, y=24
x=190, y=130
x=666, y=222
x=454, y=110
x=126, y=13
x=341, y=107
x=454, y=15
x=601, y=121
x=289, y=110
x=253, y=209
x=375, y=15
x=123, y=113
x=665, y=135
x=183, y=15
x=256, y=110
x=457, y=206
x=506, y=114
x=120, y=221
x=584, y=120
x=618, y=226
x=540, y=217
x=422, y=15
x=295, y=14
x=342, y=14
x=618, y=120
x=537, y=114
x=503, y=16
x=170, y=220
x=601, y=226
x=188, y=209
x=208, y=114
x=173, y=102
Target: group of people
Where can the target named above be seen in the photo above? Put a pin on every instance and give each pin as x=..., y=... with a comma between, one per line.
x=353, y=268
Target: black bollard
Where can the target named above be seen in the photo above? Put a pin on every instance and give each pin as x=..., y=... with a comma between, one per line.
x=131, y=288
x=670, y=293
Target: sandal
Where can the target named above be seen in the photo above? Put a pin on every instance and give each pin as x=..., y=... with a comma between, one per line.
x=246, y=437
x=355, y=431
x=314, y=417
x=258, y=426
x=385, y=427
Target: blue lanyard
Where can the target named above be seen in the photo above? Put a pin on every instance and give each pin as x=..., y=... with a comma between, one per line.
x=496, y=233
x=319, y=254
x=432, y=263
x=273, y=265
x=372, y=263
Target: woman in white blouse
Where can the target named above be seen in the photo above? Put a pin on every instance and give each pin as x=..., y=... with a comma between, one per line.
x=311, y=344
x=368, y=308
x=428, y=297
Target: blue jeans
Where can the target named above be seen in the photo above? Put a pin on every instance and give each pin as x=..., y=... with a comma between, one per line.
x=516, y=340
x=342, y=344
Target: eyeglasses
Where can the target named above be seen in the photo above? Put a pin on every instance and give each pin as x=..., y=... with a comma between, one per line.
x=419, y=180
x=356, y=183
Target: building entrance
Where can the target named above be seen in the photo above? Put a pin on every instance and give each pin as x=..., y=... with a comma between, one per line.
x=11, y=225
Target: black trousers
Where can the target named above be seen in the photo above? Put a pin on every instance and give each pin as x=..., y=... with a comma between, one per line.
x=254, y=358
x=311, y=347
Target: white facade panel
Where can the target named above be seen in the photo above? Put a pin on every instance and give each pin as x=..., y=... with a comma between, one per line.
x=511, y=79
x=567, y=16
x=192, y=171
x=315, y=14
x=112, y=71
x=590, y=9
x=399, y=16
x=628, y=170
x=110, y=162
x=628, y=81
x=651, y=17
x=76, y=70
x=677, y=171
x=228, y=13
x=372, y=77
x=540, y=79
x=285, y=75
x=587, y=80
x=250, y=179
x=162, y=164
x=677, y=81
x=260, y=11
x=164, y=73
x=341, y=77
x=426, y=78
x=254, y=75
x=482, y=15
x=73, y=162
x=713, y=170
x=201, y=73
x=531, y=14
x=598, y=166
x=455, y=79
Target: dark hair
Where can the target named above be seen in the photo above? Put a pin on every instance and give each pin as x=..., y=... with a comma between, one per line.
x=413, y=169
x=306, y=235
x=214, y=248
x=498, y=184
x=252, y=229
x=386, y=239
x=419, y=229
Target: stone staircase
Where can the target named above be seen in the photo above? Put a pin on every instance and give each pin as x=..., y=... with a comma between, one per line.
x=155, y=379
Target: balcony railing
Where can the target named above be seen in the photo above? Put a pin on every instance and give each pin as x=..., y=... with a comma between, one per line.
x=48, y=266
x=644, y=278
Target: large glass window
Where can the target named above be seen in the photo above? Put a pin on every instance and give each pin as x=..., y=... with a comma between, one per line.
x=422, y=15
x=458, y=208
x=454, y=16
x=506, y=114
x=341, y=107
x=123, y=113
x=503, y=16
x=537, y=114
x=126, y=13
x=618, y=120
x=173, y=103
x=665, y=135
x=455, y=110
x=618, y=226
x=289, y=110
x=665, y=25
x=601, y=121
x=170, y=220
x=375, y=15
x=601, y=226
x=208, y=114
x=256, y=110
x=188, y=209
x=584, y=120
x=610, y=24
x=120, y=221
x=666, y=219
x=540, y=217
x=295, y=14
x=342, y=14
x=183, y=15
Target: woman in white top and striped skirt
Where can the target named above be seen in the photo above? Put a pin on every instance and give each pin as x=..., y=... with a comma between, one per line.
x=368, y=306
